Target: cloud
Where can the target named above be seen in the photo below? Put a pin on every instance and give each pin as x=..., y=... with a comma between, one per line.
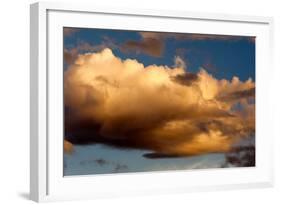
x=202, y=37
x=185, y=78
x=155, y=155
x=179, y=62
x=68, y=147
x=166, y=110
x=194, y=36
x=148, y=44
x=99, y=161
x=241, y=154
x=120, y=168
x=153, y=43
x=242, y=157
x=116, y=166
x=246, y=93
x=70, y=54
x=67, y=31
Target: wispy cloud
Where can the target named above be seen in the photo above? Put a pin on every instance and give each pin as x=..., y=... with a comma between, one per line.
x=120, y=168
x=115, y=166
x=153, y=43
x=236, y=95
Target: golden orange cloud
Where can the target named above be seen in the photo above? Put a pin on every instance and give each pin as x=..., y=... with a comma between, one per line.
x=166, y=110
x=67, y=147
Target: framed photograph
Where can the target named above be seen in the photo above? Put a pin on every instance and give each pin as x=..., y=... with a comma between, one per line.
x=129, y=101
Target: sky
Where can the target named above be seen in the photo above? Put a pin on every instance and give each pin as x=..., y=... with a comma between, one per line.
x=139, y=101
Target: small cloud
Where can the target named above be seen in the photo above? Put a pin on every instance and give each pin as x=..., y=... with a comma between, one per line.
x=156, y=155
x=120, y=168
x=101, y=161
x=117, y=167
x=67, y=31
x=252, y=39
x=150, y=46
x=208, y=37
x=236, y=95
x=153, y=43
x=179, y=62
x=185, y=79
x=241, y=156
x=71, y=54
x=68, y=147
x=210, y=66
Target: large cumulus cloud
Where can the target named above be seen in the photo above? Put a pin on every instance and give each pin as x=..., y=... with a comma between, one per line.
x=169, y=111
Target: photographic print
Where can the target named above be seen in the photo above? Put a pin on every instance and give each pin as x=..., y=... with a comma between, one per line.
x=143, y=101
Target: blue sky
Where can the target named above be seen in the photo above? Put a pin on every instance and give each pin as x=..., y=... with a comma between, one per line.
x=221, y=56
x=86, y=160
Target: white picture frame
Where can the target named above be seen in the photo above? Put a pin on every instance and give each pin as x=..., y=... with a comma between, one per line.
x=46, y=144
